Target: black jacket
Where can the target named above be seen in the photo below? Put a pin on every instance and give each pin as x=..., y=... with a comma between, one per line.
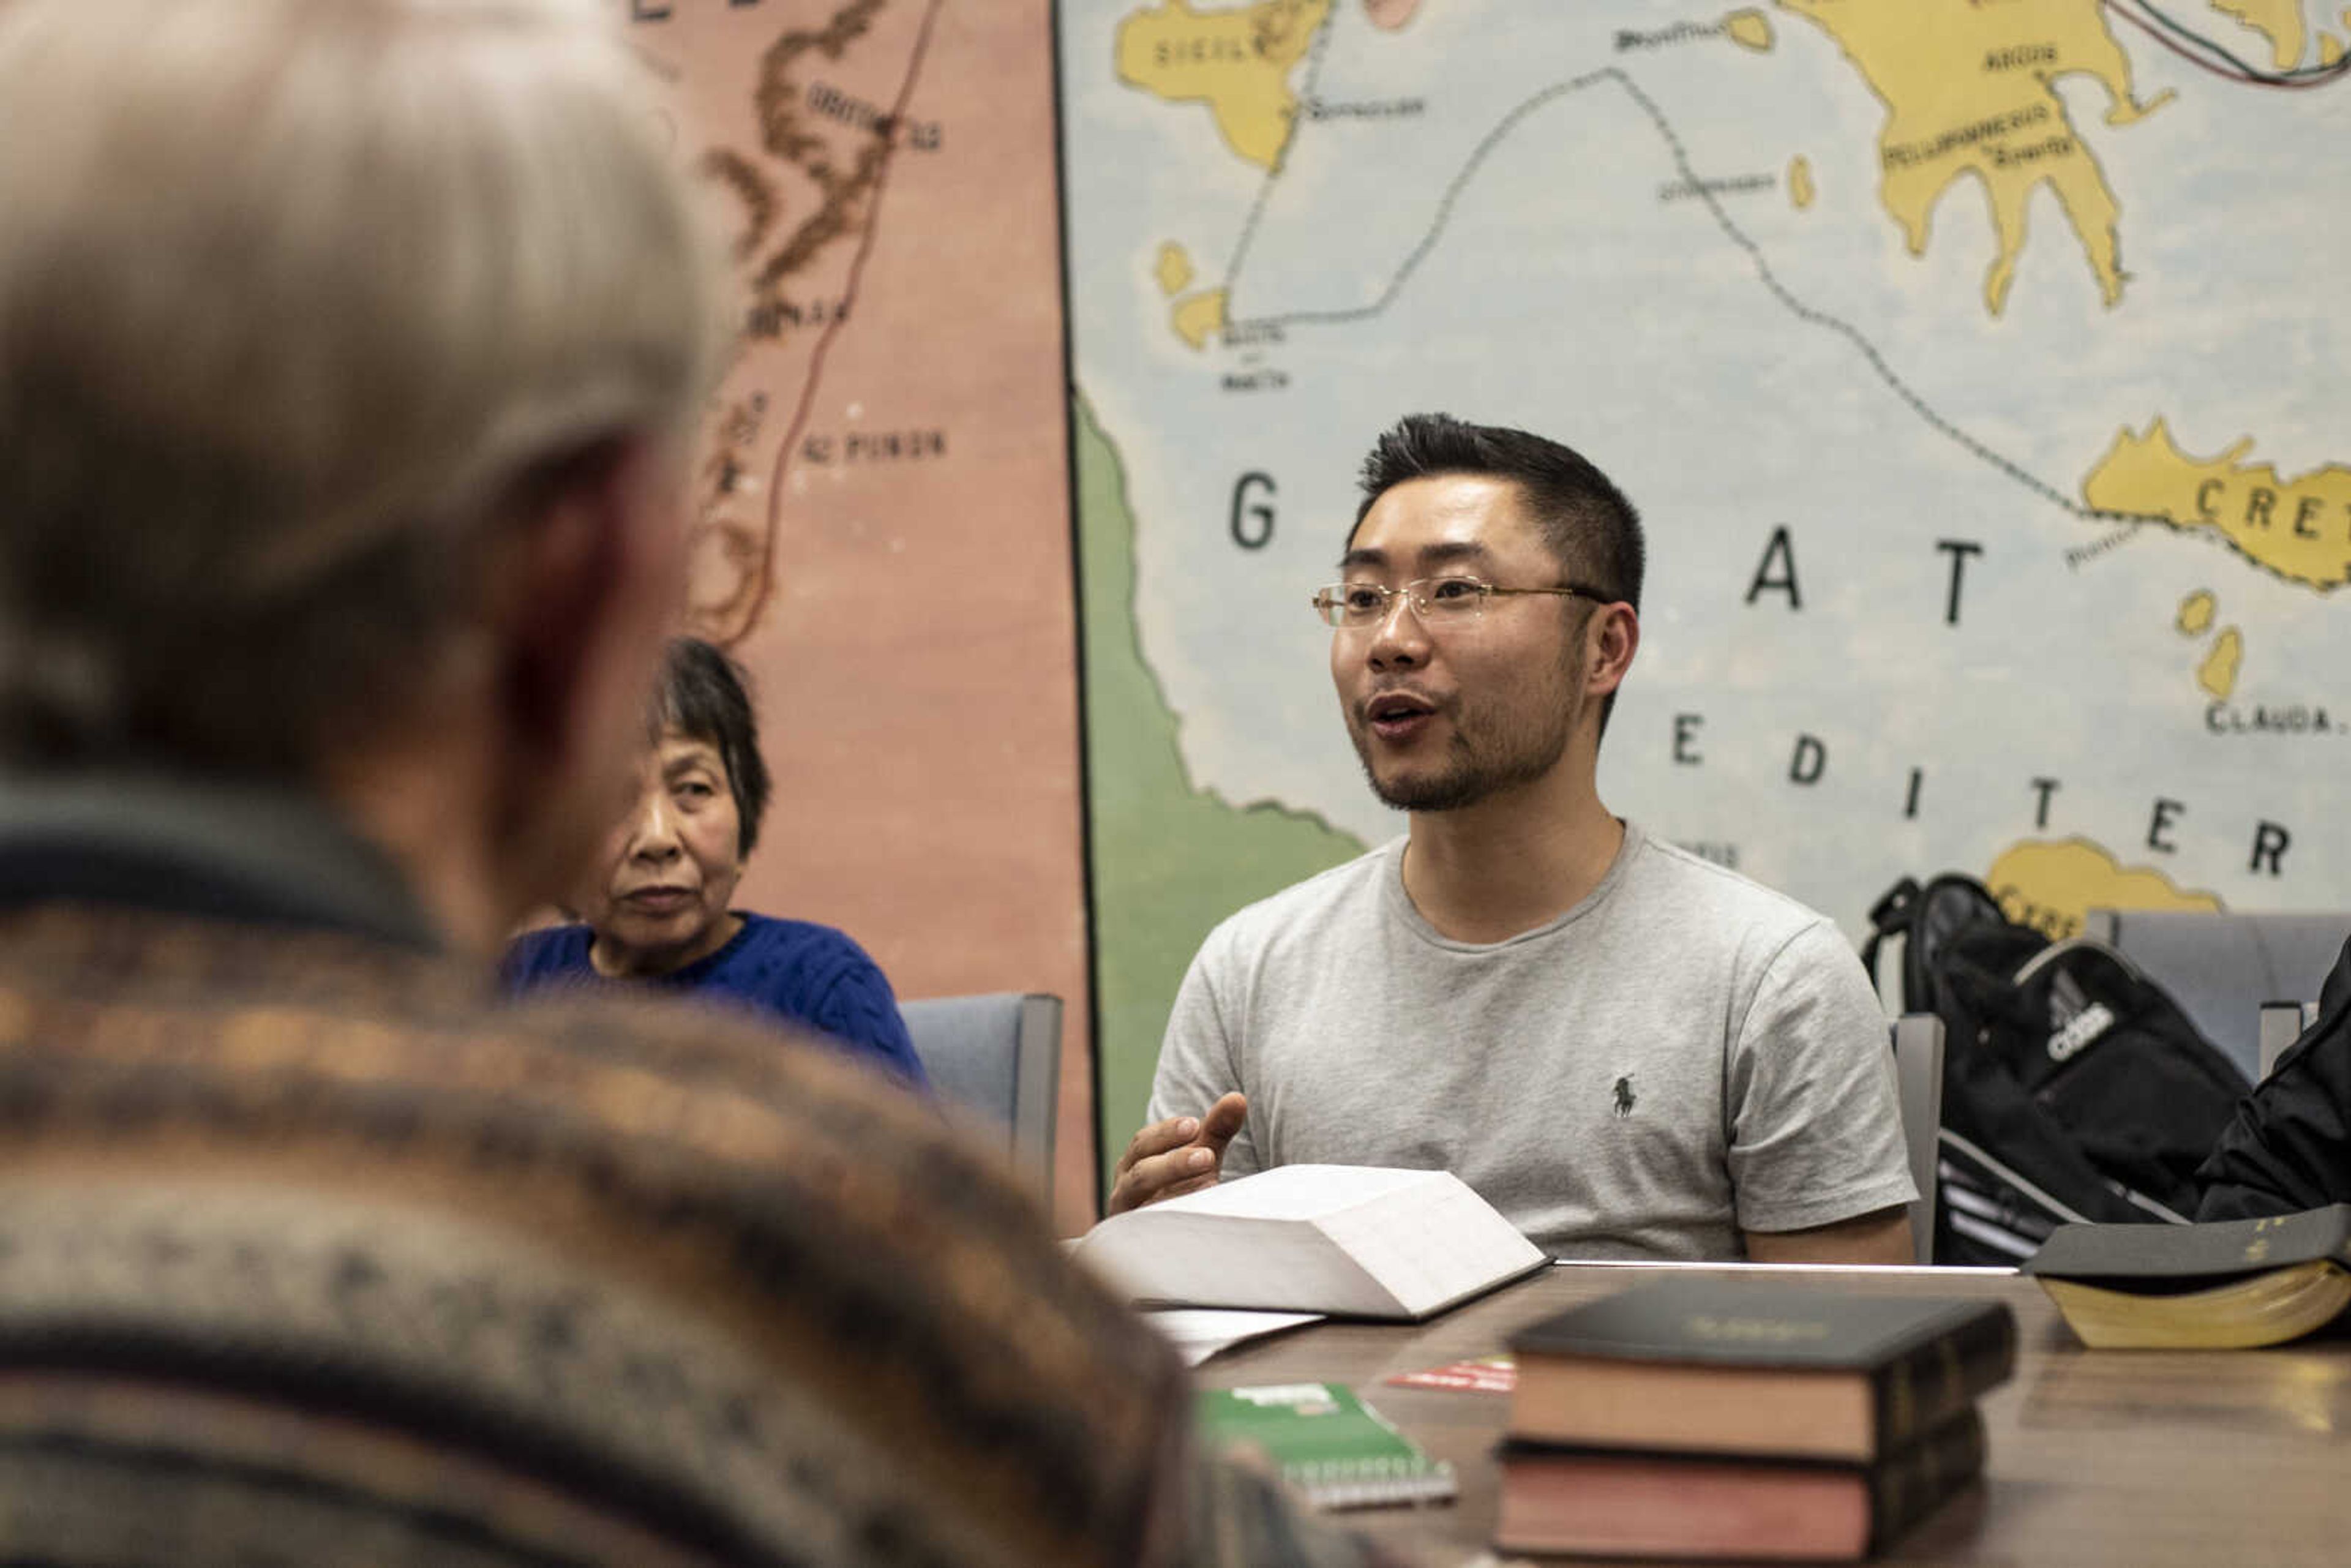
x=2289, y=1146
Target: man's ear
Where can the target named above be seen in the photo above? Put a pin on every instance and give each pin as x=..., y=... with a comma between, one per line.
x=1610, y=643
x=585, y=578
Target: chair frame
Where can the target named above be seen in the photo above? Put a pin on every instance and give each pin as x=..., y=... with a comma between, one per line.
x=1918, y=1089
x=1036, y=1079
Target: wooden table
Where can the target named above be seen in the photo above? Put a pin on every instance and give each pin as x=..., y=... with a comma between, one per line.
x=2126, y=1458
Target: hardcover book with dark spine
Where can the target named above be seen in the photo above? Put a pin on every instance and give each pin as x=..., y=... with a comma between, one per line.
x=1753, y=1366
x=2225, y=1285
x=1615, y=1503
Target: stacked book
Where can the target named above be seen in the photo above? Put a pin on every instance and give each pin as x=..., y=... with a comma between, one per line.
x=1704, y=1417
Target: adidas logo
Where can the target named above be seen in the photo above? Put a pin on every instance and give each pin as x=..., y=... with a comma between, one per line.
x=2081, y=1031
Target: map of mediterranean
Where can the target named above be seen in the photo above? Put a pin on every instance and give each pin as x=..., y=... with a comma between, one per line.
x=879, y=487
x=1978, y=366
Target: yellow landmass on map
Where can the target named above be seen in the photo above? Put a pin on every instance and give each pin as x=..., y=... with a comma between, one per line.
x=2329, y=50
x=1200, y=315
x=1175, y=269
x=2299, y=529
x=1970, y=89
x=2280, y=21
x=1750, y=29
x=1236, y=60
x=2049, y=885
x=1800, y=181
x=2218, y=673
x=2196, y=612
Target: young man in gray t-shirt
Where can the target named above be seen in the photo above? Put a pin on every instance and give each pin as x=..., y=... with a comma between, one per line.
x=1629, y=1051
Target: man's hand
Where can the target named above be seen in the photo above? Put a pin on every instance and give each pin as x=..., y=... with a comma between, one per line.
x=1176, y=1156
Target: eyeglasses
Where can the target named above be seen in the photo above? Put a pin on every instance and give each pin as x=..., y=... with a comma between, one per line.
x=1435, y=600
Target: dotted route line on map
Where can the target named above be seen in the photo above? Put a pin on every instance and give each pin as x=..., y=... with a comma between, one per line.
x=1679, y=152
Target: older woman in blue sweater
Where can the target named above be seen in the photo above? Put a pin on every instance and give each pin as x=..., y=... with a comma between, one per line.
x=660, y=911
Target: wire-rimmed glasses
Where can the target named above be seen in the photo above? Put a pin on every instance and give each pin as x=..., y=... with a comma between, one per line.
x=1350, y=606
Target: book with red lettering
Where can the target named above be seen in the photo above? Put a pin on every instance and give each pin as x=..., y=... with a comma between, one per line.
x=1757, y=1366
x=1486, y=1374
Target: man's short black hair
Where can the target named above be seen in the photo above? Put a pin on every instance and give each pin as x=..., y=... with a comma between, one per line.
x=703, y=697
x=1591, y=528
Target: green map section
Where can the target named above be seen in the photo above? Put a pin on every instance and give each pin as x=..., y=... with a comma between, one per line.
x=1169, y=861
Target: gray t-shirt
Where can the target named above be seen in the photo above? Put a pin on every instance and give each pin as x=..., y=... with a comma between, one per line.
x=1682, y=1056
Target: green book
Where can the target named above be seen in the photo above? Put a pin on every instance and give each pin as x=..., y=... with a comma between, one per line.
x=1327, y=1445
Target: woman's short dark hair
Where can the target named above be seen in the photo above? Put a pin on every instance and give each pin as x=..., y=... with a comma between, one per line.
x=703, y=698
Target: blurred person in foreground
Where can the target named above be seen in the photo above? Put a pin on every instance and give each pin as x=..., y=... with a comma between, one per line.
x=657, y=905
x=346, y=351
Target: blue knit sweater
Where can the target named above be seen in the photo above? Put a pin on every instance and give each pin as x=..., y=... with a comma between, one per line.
x=808, y=975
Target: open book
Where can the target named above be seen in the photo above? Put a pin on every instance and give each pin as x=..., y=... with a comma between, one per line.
x=2225, y=1284
x=1354, y=1240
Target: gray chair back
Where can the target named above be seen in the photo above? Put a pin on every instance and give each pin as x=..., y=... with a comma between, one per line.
x=2282, y=1024
x=1918, y=1089
x=999, y=1055
x=2220, y=966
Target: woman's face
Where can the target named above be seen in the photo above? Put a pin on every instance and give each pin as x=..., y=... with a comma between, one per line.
x=669, y=868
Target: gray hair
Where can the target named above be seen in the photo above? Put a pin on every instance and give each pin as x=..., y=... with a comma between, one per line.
x=297, y=300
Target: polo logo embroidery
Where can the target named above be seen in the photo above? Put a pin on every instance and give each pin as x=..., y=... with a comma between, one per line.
x=1624, y=1096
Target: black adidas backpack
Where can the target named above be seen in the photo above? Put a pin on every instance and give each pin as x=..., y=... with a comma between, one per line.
x=2073, y=1088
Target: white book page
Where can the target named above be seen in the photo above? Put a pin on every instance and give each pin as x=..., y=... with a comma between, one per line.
x=1353, y=1239
x=1432, y=1244
x=1303, y=1192
x=1199, y=1332
x=1166, y=1254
